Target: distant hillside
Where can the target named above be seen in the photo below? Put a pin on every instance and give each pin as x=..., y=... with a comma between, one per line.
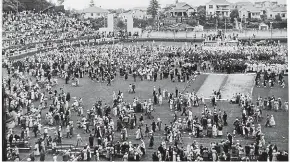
x=21, y=5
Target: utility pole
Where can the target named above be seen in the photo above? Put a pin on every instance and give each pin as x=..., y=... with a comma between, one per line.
x=225, y=25
x=216, y=21
x=158, y=21
x=271, y=27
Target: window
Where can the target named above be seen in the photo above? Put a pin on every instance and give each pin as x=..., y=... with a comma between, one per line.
x=270, y=15
x=283, y=15
x=92, y=14
x=210, y=6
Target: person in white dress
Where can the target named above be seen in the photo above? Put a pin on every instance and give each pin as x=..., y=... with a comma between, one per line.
x=160, y=99
x=138, y=134
x=214, y=130
x=190, y=115
x=115, y=111
x=32, y=95
x=272, y=121
x=54, y=158
x=36, y=149
x=286, y=106
x=174, y=156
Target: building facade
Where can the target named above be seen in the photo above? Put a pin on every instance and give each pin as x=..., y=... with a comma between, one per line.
x=179, y=10
x=94, y=12
x=268, y=8
x=281, y=11
x=250, y=12
x=219, y=8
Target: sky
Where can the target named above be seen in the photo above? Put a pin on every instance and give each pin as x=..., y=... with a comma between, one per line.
x=127, y=4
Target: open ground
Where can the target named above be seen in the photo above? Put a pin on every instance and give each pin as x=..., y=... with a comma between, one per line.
x=90, y=90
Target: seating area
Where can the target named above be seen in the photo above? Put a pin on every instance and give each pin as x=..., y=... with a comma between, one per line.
x=24, y=30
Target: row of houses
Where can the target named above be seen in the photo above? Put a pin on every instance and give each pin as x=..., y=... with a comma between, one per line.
x=247, y=9
x=224, y=8
x=97, y=12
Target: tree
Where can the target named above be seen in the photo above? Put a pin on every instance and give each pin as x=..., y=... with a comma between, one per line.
x=140, y=23
x=234, y=14
x=201, y=14
x=21, y=5
x=278, y=18
x=92, y=3
x=153, y=8
x=193, y=15
x=121, y=25
x=97, y=23
x=10, y=5
x=264, y=17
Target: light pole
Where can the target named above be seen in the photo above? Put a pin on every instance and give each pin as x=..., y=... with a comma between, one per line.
x=245, y=26
x=174, y=34
x=225, y=25
x=216, y=22
x=271, y=27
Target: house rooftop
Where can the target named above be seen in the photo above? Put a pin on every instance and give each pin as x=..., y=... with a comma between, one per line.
x=224, y=2
x=140, y=8
x=280, y=9
x=95, y=9
x=251, y=9
x=244, y=3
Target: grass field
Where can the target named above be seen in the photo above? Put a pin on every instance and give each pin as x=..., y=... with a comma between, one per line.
x=90, y=90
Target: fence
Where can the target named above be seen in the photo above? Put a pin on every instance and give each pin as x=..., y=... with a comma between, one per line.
x=198, y=34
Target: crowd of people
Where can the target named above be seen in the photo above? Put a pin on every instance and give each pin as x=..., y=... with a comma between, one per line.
x=34, y=78
x=28, y=27
x=36, y=101
x=27, y=30
x=211, y=124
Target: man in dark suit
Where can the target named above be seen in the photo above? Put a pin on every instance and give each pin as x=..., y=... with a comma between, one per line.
x=230, y=138
x=42, y=156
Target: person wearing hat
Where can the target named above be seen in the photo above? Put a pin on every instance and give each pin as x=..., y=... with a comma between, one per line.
x=272, y=122
x=54, y=158
x=126, y=156
x=42, y=156
x=153, y=126
x=151, y=140
x=91, y=140
x=286, y=106
x=79, y=139
x=97, y=155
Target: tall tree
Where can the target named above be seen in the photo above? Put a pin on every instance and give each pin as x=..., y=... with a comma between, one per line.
x=153, y=8
x=234, y=14
x=92, y=3
x=201, y=14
